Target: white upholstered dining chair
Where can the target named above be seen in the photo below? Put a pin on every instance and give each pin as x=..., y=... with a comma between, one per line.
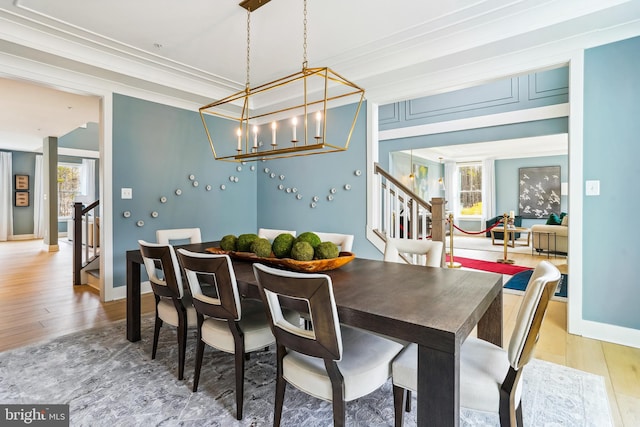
x=420, y=252
x=343, y=241
x=226, y=321
x=490, y=377
x=332, y=362
x=173, y=304
x=191, y=235
x=272, y=233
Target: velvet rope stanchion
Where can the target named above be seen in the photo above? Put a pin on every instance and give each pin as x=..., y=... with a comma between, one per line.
x=505, y=238
x=451, y=263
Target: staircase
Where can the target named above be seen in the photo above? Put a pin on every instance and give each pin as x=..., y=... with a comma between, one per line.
x=401, y=213
x=86, y=244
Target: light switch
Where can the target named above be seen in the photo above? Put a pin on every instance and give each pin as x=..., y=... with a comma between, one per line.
x=592, y=188
x=126, y=193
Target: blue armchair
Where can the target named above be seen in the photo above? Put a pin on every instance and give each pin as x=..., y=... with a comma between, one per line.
x=517, y=221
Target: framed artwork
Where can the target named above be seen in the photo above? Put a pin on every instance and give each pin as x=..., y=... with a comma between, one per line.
x=22, y=198
x=539, y=192
x=22, y=182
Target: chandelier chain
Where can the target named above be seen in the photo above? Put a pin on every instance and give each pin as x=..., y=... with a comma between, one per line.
x=304, y=42
x=248, y=45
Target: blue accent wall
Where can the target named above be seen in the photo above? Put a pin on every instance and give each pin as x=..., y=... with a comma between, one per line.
x=82, y=138
x=315, y=176
x=538, y=89
x=155, y=150
x=611, y=155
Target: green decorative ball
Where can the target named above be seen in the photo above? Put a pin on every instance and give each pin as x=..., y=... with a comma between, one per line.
x=229, y=242
x=326, y=250
x=309, y=237
x=302, y=251
x=245, y=241
x=261, y=247
x=282, y=245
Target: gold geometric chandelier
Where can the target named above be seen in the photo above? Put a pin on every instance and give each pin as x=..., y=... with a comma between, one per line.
x=287, y=117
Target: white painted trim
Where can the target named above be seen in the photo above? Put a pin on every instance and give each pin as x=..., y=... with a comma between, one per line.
x=611, y=333
x=75, y=152
x=576, y=101
x=121, y=291
x=520, y=116
x=21, y=237
x=106, y=196
x=373, y=196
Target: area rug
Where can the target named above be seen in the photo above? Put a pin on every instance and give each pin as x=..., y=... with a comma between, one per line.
x=519, y=283
x=493, y=267
x=109, y=381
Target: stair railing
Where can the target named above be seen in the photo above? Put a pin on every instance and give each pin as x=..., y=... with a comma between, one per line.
x=404, y=214
x=86, y=237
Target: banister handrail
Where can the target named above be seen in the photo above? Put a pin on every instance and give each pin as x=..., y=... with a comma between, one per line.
x=378, y=169
x=90, y=207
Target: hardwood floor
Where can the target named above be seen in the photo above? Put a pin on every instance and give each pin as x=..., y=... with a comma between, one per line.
x=38, y=302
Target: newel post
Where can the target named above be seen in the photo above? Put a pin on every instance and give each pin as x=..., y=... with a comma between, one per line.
x=438, y=224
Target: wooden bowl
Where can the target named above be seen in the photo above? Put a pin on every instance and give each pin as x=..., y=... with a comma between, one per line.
x=312, y=266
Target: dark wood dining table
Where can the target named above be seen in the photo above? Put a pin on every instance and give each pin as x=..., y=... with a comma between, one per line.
x=437, y=308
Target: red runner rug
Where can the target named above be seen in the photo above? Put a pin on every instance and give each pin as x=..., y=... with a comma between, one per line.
x=494, y=267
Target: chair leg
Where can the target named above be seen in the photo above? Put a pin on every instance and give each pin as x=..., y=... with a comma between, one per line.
x=399, y=403
x=182, y=347
x=519, y=415
x=337, y=393
x=408, y=405
x=239, y=384
x=281, y=385
x=338, y=413
x=156, y=336
x=199, y=355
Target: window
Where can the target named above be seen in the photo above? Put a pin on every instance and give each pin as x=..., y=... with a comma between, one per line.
x=470, y=179
x=69, y=185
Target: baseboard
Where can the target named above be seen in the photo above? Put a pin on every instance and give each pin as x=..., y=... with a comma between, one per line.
x=611, y=333
x=121, y=291
x=23, y=237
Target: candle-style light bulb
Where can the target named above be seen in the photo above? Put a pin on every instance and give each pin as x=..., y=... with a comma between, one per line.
x=239, y=133
x=294, y=122
x=273, y=134
x=318, y=120
x=255, y=136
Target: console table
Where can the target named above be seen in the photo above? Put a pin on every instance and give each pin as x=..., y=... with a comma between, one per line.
x=511, y=235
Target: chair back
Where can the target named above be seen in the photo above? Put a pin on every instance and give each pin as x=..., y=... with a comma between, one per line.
x=162, y=268
x=279, y=289
x=541, y=287
x=272, y=233
x=344, y=241
x=420, y=252
x=192, y=235
x=215, y=272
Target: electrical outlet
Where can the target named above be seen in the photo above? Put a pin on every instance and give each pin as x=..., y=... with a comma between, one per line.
x=592, y=188
x=126, y=193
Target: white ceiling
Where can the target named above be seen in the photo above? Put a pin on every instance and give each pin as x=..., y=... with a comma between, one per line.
x=194, y=52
